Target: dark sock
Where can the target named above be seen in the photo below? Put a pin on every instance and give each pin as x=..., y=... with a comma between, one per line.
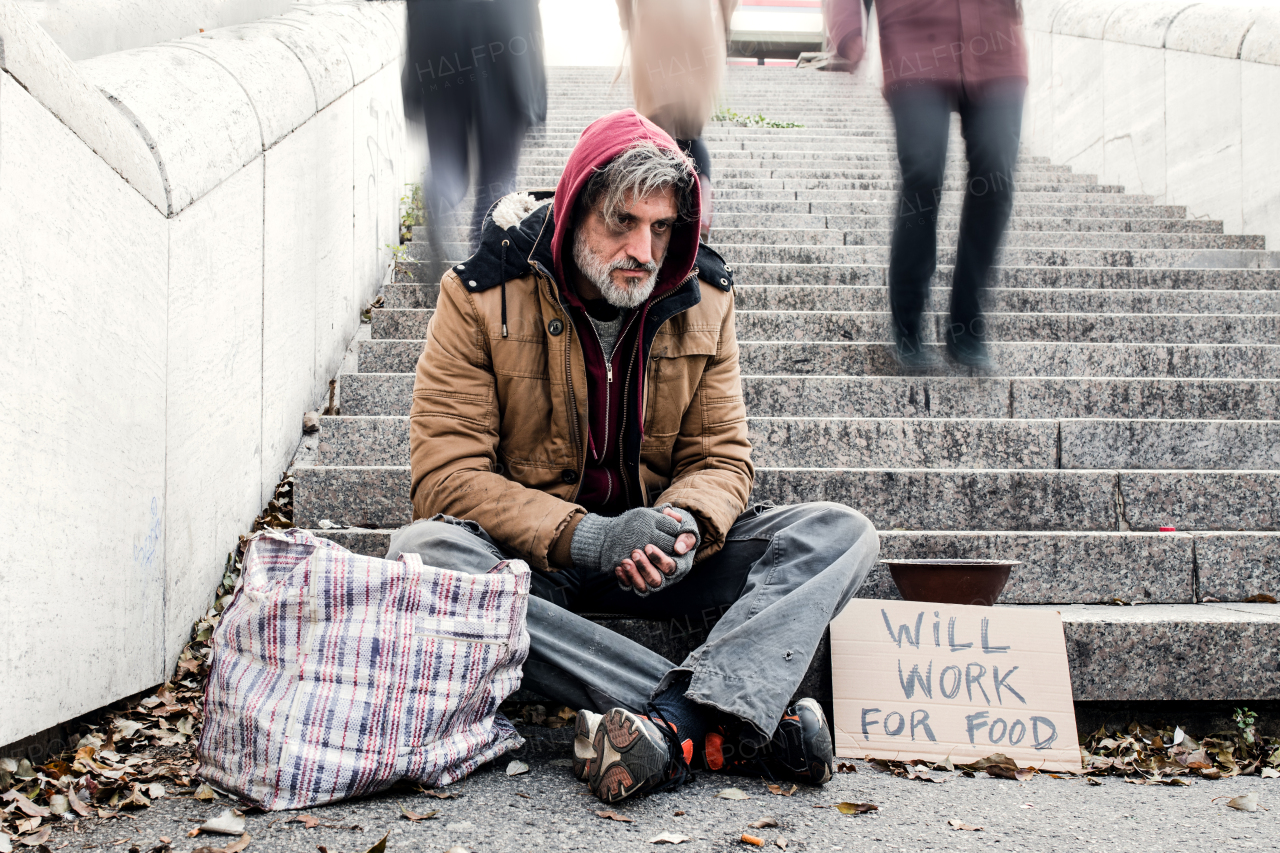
x=690, y=719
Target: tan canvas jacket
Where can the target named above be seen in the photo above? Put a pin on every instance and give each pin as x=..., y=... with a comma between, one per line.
x=497, y=424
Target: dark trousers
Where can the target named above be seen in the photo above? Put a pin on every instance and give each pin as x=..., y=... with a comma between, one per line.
x=457, y=129
x=991, y=125
x=766, y=597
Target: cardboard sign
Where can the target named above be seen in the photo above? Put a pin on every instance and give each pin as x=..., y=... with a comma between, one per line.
x=913, y=679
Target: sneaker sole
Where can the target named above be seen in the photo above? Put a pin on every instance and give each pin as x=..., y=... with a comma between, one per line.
x=584, y=750
x=628, y=761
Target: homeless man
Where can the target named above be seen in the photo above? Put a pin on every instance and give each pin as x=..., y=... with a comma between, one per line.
x=578, y=405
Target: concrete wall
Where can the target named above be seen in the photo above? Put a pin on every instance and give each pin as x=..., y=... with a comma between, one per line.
x=189, y=233
x=1180, y=100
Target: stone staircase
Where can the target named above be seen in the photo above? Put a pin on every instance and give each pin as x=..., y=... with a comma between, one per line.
x=1136, y=388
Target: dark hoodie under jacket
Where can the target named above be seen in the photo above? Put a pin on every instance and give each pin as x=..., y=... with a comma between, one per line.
x=542, y=243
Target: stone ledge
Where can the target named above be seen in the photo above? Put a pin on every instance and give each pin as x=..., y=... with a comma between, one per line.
x=190, y=113
x=89, y=28
x=32, y=58
x=1250, y=34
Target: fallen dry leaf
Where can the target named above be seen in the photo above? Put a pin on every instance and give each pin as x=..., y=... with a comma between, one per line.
x=612, y=815
x=39, y=838
x=24, y=805
x=677, y=813
x=777, y=789
x=77, y=805
x=515, y=768
x=414, y=816
x=751, y=839
x=959, y=824
x=228, y=822
x=668, y=838
x=457, y=848
x=781, y=843
x=763, y=822
x=733, y=794
x=307, y=820
x=1245, y=802
x=856, y=808
x=234, y=847
x=1269, y=773
x=204, y=792
x=439, y=794
x=1261, y=598
x=845, y=767
x=381, y=845
x=920, y=774
x=1092, y=781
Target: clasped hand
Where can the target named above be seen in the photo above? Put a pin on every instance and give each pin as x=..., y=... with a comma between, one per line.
x=648, y=568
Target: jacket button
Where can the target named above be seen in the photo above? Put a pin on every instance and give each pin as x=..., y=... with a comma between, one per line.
x=569, y=477
x=555, y=327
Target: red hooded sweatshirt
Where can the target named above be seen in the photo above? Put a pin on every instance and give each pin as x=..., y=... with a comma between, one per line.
x=603, y=490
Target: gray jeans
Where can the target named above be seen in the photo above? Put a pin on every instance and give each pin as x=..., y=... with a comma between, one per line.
x=781, y=577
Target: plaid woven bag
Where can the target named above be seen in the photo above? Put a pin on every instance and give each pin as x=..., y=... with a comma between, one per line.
x=334, y=675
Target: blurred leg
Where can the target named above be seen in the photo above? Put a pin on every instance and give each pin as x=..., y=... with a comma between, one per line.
x=445, y=182
x=921, y=117
x=697, y=149
x=991, y=127
x=499, y=136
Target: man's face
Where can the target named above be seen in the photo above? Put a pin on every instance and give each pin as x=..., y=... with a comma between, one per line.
x=621, y=259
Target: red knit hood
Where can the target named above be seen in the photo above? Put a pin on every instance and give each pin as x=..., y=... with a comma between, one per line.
x=604, y=139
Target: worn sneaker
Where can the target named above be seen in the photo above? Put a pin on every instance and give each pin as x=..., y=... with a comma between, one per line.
x=634, y=754
x=584, y=739
x=800, y=749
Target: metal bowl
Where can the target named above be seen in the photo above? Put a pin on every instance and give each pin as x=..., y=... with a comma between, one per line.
x=951, y=581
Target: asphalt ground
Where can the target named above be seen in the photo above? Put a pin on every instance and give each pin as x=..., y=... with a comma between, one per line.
x=547, y=809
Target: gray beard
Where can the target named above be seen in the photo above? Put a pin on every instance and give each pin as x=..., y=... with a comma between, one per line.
x=598, y=273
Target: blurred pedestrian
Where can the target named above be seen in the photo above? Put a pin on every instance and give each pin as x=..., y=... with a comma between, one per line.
x=939, y=57
x=474, y=75
x=678, y=50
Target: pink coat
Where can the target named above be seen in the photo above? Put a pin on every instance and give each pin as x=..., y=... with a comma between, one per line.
x=962, y=44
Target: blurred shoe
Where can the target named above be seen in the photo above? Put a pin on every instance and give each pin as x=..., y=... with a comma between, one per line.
x=800, y=750
x=912, y=355
x=971, y=352
x=634, y=754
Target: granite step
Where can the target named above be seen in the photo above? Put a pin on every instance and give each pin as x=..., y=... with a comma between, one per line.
x=935, y=397
x=758, y=171
x=949, y=198
x=809, y=255
x=751, y=297
x=737, y=155
x=800, y=297
x=1173, y=361
x=821, y=235
x=1057, y=225
x=908, y=499
x=1059, y=567
x=936, y=443
x=1013, y=256
x=1015, y=276
x=1155, y=361
x=817, y=187
x=875, y=326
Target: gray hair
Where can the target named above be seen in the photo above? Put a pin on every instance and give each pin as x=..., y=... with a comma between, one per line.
x=641, y=169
